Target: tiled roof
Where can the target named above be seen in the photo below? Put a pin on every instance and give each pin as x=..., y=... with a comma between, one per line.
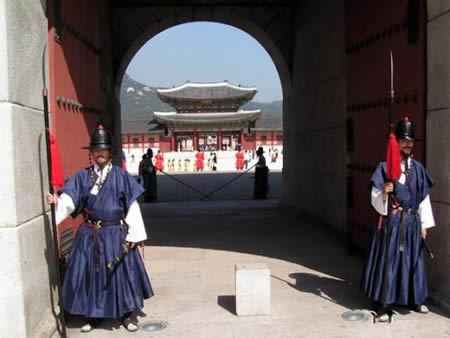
x=199, y=118
x=211, y=91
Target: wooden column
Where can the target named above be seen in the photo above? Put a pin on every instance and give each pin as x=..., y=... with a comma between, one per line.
x=195, y=140
x=219, y=140
x=173, y=142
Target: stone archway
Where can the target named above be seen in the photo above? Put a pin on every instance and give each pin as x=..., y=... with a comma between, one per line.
x=267, y=27
x=307, y=43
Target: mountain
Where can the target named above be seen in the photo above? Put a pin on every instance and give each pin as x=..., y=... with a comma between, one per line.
x=139, y=101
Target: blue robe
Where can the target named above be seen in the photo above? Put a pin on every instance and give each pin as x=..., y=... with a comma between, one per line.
x=103, y=294
x=407, y=279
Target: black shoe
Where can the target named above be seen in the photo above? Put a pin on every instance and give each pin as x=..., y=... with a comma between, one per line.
x=130, y=324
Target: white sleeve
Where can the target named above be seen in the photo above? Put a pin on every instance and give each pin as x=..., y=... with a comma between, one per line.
x=377, y=201
x=64, y=207
x=426, y=214
x=136, y=230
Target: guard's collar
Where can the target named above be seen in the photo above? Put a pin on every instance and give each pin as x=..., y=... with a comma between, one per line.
x=97, y=168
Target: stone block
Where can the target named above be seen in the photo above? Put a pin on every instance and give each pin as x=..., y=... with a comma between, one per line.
x=25, y=31
x=253, y=293
x=25, y=173
x=28, y=279
x=8, y=215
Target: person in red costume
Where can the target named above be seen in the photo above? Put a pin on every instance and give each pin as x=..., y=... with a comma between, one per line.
x=199, y=163
x=239, y=160
x=159, y=161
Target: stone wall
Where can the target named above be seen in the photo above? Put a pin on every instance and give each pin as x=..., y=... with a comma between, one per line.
x=437, y=150
x=314, y=174
x=25, y=235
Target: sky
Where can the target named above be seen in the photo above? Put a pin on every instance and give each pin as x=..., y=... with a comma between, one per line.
x=206, y=52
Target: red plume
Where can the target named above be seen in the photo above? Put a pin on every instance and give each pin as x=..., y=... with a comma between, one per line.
x=393, y=167
x=57, y=173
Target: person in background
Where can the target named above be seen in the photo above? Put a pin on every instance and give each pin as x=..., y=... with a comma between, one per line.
x=261, y=176
x=200, y=159
x=247, y=158
x=159, y=161
x=141, y=170
x=239, y=160
x=214, y=162
x=149, y=174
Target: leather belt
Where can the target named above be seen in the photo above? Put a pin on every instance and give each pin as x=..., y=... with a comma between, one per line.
x=405, y=212
x=409, y=211
x=100, y=224
x=97, y=225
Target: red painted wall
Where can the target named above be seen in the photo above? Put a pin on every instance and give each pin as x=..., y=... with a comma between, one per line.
x=164, y=144
x=75, y=75
x=248, y=142
x=373, y=28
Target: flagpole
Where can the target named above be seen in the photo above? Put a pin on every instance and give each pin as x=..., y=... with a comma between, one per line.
x=385, y=288
x=51, y=190
x=391, y=104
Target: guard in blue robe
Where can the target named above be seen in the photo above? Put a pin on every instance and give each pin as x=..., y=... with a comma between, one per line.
x=105, y=275
x=406, y=281
x=103, y=293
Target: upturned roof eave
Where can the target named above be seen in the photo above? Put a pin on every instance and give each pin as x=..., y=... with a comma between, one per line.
x=174, y=99
x=207, y=118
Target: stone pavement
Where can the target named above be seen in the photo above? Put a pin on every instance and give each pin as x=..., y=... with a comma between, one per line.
x=190, y=257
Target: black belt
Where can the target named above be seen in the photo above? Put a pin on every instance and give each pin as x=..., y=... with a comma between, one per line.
x=409, y=211
x=97, y=225
x=405, y=212
x=100, y=224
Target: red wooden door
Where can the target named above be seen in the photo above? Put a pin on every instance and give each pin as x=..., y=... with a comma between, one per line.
x=74, y=70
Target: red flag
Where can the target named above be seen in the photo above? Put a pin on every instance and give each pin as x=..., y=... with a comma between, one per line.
x=393, y=159
x=57, y=173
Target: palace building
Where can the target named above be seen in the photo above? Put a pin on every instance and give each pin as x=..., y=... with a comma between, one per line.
x=206, y=117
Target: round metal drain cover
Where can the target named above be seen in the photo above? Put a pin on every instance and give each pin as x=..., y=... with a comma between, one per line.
x=355, y=316
x=155, y=325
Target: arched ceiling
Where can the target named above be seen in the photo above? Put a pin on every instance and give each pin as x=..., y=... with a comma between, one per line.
x=270, y=22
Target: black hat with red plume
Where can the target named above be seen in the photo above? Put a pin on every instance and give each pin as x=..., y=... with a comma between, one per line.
x=100, y=139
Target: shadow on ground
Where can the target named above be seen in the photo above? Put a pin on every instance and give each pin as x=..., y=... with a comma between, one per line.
x=262, y=228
